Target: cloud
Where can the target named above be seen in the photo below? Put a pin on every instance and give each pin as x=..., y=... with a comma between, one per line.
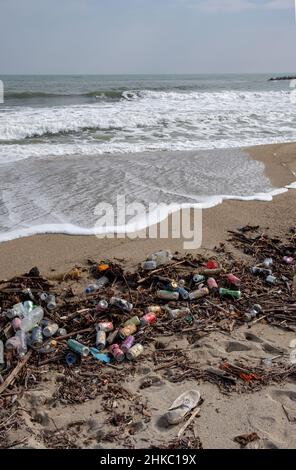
x=213, y=6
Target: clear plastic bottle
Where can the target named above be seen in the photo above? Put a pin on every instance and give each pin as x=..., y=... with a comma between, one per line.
x=161, y=257
x=99, y=284
x=22, y=349
x=32, y=319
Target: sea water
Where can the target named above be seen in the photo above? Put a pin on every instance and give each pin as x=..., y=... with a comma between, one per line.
x=68, y=143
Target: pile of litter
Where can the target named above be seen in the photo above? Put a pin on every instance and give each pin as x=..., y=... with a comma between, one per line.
x=117, y=320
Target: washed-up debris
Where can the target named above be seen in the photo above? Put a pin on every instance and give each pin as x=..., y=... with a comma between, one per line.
x=125, y=319
x=186, y=402
x=244, y=439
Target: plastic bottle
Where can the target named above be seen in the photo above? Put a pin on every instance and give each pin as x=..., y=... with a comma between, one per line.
x=2, y=362
x=122, y=304
x=12, y=343
x=51, y=302
x=22, y=348
x=199, y=293
x=178, y=312
x=161, y=257
x=167, y=295
x=255, y=310
x=78, y=347
x=32, y=319
x=99, y=284
x=18, y=310
x=149, y=265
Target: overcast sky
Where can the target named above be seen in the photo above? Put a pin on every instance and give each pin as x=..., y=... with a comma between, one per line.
x=147, y=36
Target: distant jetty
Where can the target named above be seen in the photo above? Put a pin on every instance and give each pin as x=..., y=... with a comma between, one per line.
x=286, y=77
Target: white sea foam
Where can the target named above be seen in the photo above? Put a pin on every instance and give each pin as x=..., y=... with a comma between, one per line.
x=149, y=120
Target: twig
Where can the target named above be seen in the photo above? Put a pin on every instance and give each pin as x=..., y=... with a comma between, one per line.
x=15, y=372
x=183, y=428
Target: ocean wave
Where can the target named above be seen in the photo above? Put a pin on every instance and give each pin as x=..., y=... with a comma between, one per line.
x=149, y=116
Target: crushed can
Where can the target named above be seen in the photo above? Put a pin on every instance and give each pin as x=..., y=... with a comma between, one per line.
x=167, y=295
x=134, y=352
x=61, y=332
x=106, y=326
x=121, y=304
x=199, y=293
x=271, y=280
x=148, y=319
x=233, y=280
x=268, y=262
x=127, y=331
x=212, y=283
x=37, y=337
x=77, y=347
x=183, y=293
x=51, y=302
x=235, y=294
x=49, y=347
x=100, y=339
x=112, y=335
x=128, y=343
x=132, y=321
x=116, y=352
x=260, y=271
x=153, y=309
x=288, y=259
x=102, y=306
x=50, y=330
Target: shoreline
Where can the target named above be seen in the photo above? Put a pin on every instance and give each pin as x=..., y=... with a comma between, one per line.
x=60, y=252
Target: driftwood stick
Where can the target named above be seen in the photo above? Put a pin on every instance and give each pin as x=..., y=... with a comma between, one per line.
x=183, y=428
x=15, y=372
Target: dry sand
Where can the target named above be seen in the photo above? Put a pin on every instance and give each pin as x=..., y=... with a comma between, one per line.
x=271, y=412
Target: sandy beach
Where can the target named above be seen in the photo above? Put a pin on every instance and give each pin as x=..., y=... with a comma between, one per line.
x=270, y=412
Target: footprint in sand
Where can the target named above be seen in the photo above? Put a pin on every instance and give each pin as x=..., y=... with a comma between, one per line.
x=287, y=398
x=236, y=346
x=252, y=337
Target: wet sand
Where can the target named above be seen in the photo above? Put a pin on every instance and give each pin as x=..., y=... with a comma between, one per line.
x=61, y=252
